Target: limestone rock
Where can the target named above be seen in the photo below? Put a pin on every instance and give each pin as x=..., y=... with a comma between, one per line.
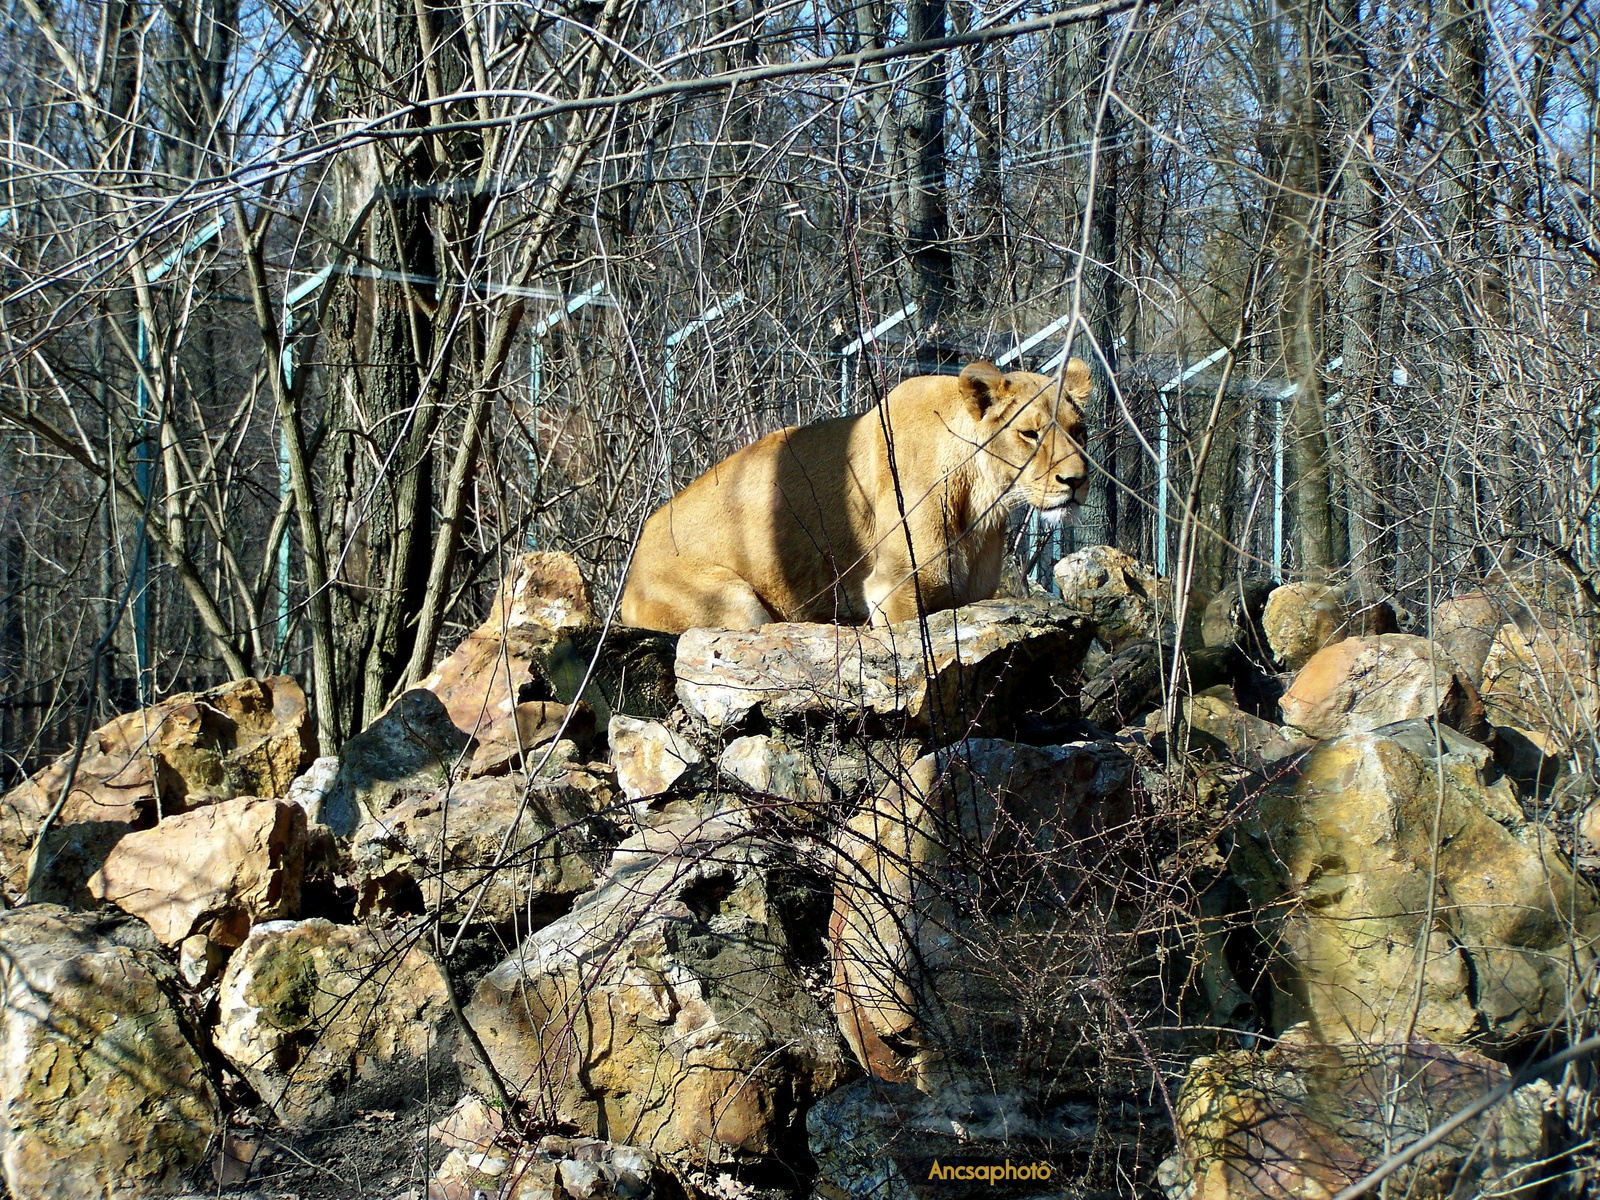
x=1300, y=619
x=572, y=1168
x=313, y=1013
x=1537, y=676
x=648, y=756
x=248, y=738
x=1249, y=740
x=1233, y=617
x=102, y=1093
x=771, y=767
x=436, y=853
x=1124, y=599
x=72, y=854
x=994, y=659
x=536, y=724
x=1303, y=1119
x=670, y=1002
x=925, y=918
x=217, y=870
x=406, y=753
x=473, y=1124
x=1464, y=628
x=1338, y=864
x=542, y=597
x=544, y=589
x=200, y=960
x=479, y=683
x=1361, y=684
x=308, y=790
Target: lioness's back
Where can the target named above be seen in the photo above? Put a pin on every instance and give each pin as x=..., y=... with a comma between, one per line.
x=788, y=514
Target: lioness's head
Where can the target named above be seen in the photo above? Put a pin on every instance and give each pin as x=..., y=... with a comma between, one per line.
x=1031, y=434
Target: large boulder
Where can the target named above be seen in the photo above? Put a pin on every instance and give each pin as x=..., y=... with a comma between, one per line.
x=955, y=909
x=1464, y=627
x=102, y=1093
x=671, y=1002
x=1299, y=619
x=315, y=1015
x=542, y=598
x=1537, y=676
x=1124, y=599
x=408, y=753
x=1233, y=617
x=1361, y=684
x=963, y=668
x=217, y=870
x=504, y=848
x=1309, y=1119
x=1402, y=850
x=248, y=738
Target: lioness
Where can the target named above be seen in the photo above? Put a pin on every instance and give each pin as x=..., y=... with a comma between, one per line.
x=846, y=520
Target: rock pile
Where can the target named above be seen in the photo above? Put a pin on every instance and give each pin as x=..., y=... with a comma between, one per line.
x=808, y=906
x=250, y=738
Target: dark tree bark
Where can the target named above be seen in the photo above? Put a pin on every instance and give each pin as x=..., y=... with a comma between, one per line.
x=1105, y=291
x=927, y=220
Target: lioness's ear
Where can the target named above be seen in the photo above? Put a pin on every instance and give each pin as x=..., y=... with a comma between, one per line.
x=981, y=383
x=1076, y=379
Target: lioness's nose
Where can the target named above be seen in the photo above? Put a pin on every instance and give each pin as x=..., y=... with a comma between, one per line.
x=1072, y=479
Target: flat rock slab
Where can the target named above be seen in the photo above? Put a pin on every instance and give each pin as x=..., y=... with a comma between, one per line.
x=217, y=870
x=947, y=674
x=1339, y=860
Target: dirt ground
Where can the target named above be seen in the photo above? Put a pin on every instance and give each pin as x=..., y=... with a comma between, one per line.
x=368, y=1154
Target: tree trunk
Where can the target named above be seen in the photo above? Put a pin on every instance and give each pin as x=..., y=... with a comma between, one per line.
x=927, y=221
x=1302, y=312
x=1105, y=290
x=1361, y=269
x=379, y=449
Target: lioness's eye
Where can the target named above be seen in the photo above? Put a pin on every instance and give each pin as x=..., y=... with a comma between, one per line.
x=1031, y=434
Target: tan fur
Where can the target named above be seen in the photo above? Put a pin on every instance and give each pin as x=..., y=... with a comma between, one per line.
x=805, y=524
